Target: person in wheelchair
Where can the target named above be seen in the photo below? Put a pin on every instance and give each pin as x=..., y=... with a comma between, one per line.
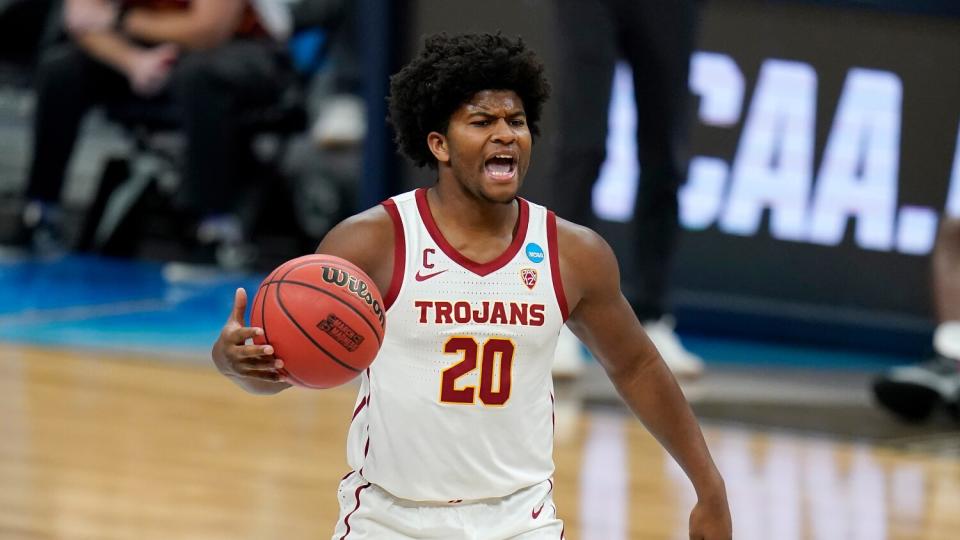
x=205, y=61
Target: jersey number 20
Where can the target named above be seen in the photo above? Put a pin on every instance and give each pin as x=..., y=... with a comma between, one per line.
x=495, y=357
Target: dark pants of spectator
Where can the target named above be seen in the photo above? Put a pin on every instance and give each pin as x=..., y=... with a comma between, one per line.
x=23, y=26
x=656, y=38
x=208, y=90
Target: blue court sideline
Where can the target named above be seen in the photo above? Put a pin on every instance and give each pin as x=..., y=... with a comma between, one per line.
x=152, y=307
x=114, y=304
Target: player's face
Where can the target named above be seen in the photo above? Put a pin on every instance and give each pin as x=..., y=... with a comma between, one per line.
x=488, y=145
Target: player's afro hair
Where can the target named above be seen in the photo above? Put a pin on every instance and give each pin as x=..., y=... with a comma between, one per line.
x=448, y=72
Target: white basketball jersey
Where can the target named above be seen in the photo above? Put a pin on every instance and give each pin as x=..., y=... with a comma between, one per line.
x=458, y=404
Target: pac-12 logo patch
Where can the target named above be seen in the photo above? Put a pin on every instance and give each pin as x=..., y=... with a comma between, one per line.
x=534, y=252
x=529, y=277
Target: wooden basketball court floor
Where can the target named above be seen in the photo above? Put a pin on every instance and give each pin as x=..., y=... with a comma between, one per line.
x=97, y=446
x=114, y=425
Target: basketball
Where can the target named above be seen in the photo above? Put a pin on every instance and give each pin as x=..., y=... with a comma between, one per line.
x=324, y=318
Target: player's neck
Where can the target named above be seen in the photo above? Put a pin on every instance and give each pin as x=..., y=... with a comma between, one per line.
x=453, y=209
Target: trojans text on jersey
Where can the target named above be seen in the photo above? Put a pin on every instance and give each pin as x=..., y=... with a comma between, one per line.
x=495, y=312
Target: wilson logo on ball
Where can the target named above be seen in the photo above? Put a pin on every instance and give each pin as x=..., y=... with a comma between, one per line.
x=341, y=278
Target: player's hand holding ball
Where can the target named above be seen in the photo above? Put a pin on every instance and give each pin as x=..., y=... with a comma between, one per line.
x=254, y=366
x=316, y=321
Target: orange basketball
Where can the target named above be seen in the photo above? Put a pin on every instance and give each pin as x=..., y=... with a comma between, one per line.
x=324, y=318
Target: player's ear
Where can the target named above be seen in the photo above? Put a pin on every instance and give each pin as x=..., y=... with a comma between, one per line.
x=437, y=142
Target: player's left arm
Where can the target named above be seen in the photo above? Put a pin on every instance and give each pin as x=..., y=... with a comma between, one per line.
x=602, y=318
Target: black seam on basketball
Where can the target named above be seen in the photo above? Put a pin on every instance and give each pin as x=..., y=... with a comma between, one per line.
x=263, y=312
x=308, y=336
x=300, y=381
x=329, y=263
x=376, y=334
x=307, y=263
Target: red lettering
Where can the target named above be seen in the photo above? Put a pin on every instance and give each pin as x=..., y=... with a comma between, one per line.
x=443, y=312
x=478, y=318
x=499, y=315
x=426, y=261
x=461, y=312
x=496, y=312
x=518, y=313
x=423, y=305
x=536, y=315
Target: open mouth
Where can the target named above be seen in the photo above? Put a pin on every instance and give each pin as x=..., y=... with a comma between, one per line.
x=501, y=166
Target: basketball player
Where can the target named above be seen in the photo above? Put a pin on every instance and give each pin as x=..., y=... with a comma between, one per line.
x=452, y=435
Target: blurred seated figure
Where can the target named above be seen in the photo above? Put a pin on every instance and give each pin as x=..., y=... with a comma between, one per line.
x=22, y=30
x=208, y=60
x=341, y=112
x=915, y=392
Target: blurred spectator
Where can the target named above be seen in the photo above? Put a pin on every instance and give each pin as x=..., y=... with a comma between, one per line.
x=22, y=30
x=209, y=59
x=916, y=392
x=656, y=38
x=341, y=114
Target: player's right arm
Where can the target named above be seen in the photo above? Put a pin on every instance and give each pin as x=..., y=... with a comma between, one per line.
x=252, y=367
x=603, y=320
x=365, y=239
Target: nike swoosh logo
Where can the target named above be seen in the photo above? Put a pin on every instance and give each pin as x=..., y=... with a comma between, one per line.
x=536, y=513
x=424, y=277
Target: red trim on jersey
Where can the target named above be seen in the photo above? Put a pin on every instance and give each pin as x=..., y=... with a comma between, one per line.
x=553, y=420
x=399, y=254
x=366, y=449
x=481, y=269
x=346, y=520
x=363, y=403
x=555, y=264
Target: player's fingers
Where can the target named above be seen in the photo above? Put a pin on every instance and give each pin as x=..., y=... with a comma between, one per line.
x=273, y=370
x=254, y=351
x=272, y=376
x=239, y=335
x=258, y=364
x=239, y=306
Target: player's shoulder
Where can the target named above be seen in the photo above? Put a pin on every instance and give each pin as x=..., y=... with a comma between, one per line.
x=365, y=239
x=587, y=263
x=371, y=228
x=372, y=220
x=379, y=220
x=579, y=242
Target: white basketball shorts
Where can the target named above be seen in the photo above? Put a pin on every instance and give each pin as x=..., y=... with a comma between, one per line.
x=368, y=512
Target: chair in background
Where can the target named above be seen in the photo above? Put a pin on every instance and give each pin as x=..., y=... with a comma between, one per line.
x=148, y=176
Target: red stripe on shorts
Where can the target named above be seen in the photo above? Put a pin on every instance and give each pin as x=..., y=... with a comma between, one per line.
x=346, y=520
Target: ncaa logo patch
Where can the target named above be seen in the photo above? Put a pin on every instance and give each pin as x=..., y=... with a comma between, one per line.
x=534, y=252
x=529, y=277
